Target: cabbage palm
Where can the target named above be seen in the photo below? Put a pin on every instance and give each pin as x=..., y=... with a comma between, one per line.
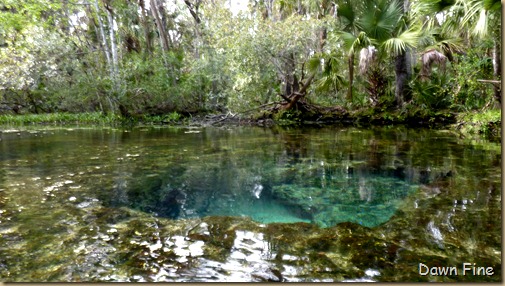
x=484, y=18
x=481, y=15
x=475, y=19
x=383, y=24
x=353, y=44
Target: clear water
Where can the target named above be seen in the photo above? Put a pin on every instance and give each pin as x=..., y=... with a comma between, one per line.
x=81, y=204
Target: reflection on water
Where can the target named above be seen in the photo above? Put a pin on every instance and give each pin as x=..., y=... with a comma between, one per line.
x=246, y=204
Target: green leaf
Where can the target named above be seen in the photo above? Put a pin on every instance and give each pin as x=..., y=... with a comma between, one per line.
x=398, y=45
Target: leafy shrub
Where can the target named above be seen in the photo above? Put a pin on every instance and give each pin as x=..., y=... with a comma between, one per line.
x=466, y=92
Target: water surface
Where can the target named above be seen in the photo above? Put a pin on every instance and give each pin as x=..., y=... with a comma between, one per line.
x=246, y=204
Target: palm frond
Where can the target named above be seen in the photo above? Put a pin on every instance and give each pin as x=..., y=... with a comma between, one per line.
x=348, y=40
x=477, y=11
x=394, y=46
x=347, y=15
x=314, y=63
x=398, y=45
x=480, y=28
x=428, y=58
x=382, y=19
x=330, y=82
x=352, y=43
x=492, y=5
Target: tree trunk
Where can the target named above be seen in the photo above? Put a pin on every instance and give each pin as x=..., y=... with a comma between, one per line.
x=402, y=68
x=269, y=9
x=113, y=48
x=402, y=77
x=193, y=10
x=301, y=93
x=161, y=29
x=291, y=82
x=497, y=68
x=323, y=34
x=351, y=76
x=104, y=45
x=145, y=26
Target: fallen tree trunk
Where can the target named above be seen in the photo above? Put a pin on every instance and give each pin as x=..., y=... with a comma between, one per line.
x=296, y=96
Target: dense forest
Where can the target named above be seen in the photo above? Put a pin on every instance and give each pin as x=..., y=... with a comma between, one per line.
x=180, y=57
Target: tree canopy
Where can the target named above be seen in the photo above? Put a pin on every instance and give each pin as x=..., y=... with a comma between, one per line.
x=154, y=57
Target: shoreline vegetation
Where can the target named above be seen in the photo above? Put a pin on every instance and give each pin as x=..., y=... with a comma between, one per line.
x=374, y=62
x=486, y=124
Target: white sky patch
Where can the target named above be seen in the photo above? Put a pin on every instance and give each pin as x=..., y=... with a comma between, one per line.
x=75, y=21
x=237, y=6
x=440, y=17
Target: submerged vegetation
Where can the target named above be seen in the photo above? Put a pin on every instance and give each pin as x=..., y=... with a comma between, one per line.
x=165, y=204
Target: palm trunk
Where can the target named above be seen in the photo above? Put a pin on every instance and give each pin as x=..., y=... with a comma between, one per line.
x=402, y=77
x=402, y=69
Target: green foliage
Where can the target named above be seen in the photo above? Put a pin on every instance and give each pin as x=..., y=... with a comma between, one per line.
x=170, y=118
x=406, y=40
x=288, y=117
x=466, y=92
x=60, y=56
x=380, y=19
x=330, y=81
x=260, y=53
x=60, y=118
x=434, y=94
x=487, y=123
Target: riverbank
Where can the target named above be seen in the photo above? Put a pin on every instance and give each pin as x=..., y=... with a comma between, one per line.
x=467, y=124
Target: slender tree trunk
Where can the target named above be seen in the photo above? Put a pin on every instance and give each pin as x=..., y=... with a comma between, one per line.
x=104, y=45
x=269, y=8
x=350, y=61
x=497, y=68
x=165, y=45
x=193, y=10
x=323, y=33
x=163, y=18
x=145, y=26
x=110, y=50
x=161, y=29
x=113, y=48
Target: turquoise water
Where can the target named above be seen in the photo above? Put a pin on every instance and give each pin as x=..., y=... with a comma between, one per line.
x=195, y=174
x=196, y=204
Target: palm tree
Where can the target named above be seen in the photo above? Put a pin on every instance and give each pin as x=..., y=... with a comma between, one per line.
x=382, y=24
x=484, y=17
x=352, y=45
x=469, y=19
x=348, y=13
